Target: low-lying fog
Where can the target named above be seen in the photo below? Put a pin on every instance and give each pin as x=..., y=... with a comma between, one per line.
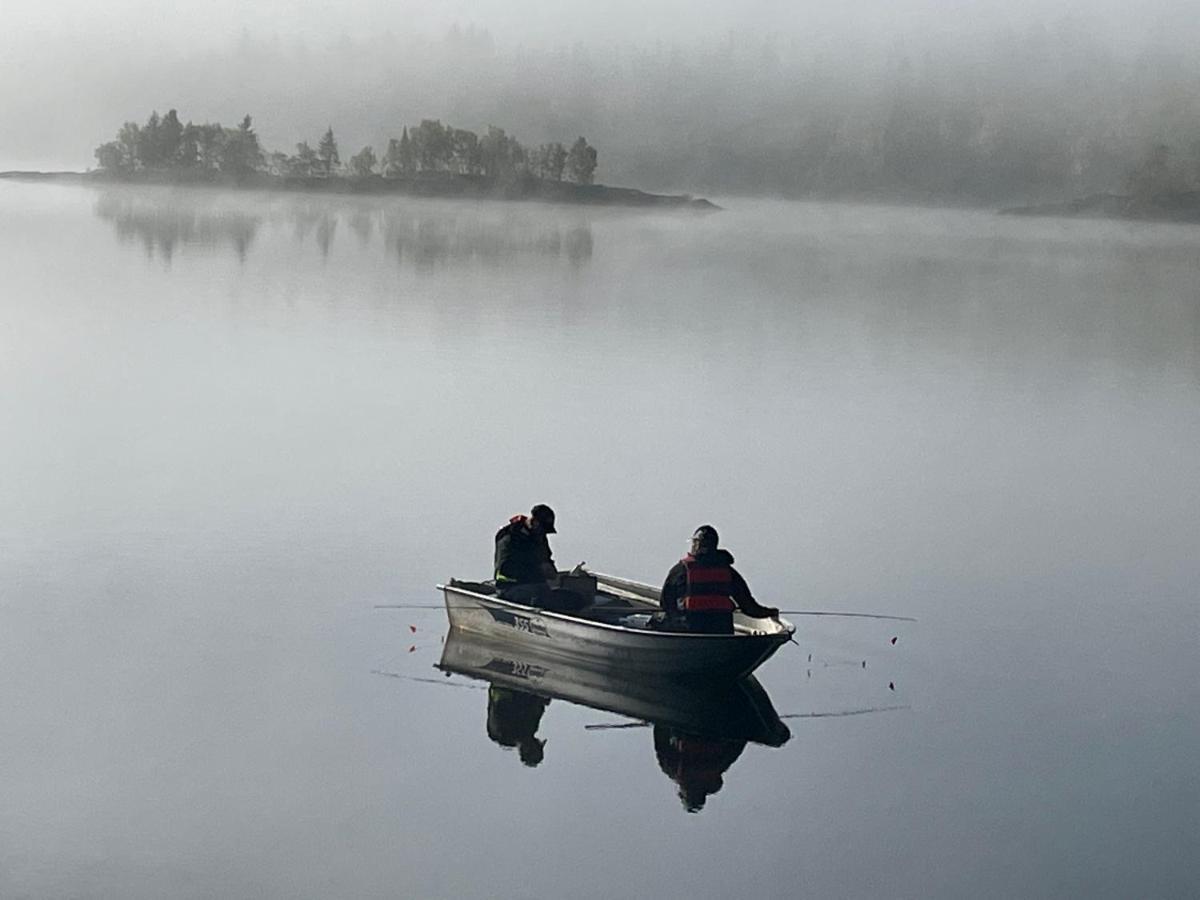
x=920, y=101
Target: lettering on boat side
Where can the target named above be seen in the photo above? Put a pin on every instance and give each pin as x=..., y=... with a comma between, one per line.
x=520, y=623
x=515, y=669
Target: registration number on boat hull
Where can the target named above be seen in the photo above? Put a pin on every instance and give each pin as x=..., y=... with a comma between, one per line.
x=519, y=622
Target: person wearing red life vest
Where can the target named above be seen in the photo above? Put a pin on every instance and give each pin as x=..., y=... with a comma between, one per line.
x=703, y=589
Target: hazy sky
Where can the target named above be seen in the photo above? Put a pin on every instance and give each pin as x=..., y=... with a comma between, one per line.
x=71, y=71
x=514, y=21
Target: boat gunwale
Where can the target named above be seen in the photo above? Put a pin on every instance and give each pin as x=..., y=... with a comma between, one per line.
x=770, y=637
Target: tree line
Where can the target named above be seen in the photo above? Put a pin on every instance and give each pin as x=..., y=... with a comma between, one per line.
x=1039, y=112
x=166, y=144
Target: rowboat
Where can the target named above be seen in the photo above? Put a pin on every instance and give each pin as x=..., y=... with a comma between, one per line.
x=738, y=711
x=610, y=631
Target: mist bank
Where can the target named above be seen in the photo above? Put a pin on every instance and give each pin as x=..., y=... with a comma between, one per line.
x=428, y=185
x=1176, y=207
x=1042, y=113
x=1165, y=187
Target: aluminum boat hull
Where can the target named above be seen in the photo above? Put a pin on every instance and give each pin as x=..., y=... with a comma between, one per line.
x=611, y=646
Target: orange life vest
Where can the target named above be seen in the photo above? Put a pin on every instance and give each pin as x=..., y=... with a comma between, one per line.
x=709, y=588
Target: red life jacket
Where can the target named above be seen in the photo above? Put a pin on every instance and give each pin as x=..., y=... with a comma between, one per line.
x=709, y=588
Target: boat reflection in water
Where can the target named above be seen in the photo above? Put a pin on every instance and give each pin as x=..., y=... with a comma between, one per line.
x=699, y=731
x=513, y=718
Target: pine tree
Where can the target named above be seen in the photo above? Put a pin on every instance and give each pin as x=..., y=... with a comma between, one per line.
x=581, y=162
x=407, y=156
x=328, y=152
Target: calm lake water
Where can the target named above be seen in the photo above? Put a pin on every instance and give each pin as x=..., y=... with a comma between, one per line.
x=234, y=426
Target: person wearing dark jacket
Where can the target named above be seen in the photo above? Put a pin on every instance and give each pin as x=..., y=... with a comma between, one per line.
x=703, y=589
x=524, y=563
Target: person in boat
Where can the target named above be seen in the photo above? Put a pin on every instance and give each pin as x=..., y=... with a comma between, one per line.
x=703, y=589
x=525, y=565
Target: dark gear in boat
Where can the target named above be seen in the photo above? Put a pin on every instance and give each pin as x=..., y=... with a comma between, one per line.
x=541, y=595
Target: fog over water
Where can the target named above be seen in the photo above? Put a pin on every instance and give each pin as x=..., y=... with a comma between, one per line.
x=236, y=424
x=981, y=104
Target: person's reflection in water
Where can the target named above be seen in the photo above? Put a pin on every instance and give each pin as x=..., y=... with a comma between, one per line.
x=513, y=719
x=695, y=763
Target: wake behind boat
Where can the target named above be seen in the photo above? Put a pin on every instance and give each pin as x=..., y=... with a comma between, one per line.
x=611, y=631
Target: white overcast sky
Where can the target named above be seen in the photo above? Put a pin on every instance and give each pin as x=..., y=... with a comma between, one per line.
x=539, y=21
x=57, y=57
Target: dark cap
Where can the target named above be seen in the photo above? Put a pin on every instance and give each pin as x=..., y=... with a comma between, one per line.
x=545, y=516
x=706, y=536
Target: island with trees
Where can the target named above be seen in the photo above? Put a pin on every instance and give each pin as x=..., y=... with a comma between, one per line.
x=429, y=159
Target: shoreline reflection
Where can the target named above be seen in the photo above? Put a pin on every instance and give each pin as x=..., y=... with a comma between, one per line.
x=164, y=224
x=699, y=731
x=422, y=234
